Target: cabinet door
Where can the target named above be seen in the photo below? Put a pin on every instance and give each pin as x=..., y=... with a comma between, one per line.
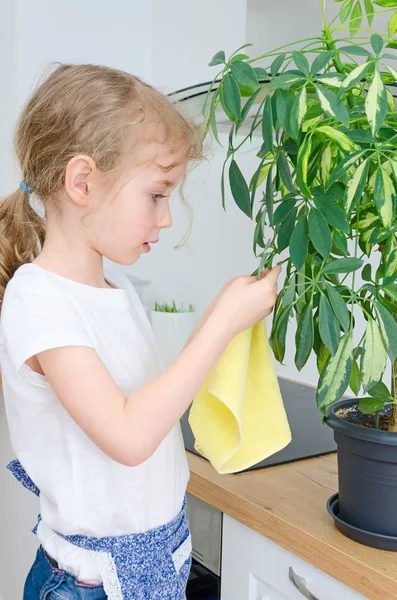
x=254, y=568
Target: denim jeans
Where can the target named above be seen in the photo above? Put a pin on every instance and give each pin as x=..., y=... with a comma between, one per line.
x=46, y=582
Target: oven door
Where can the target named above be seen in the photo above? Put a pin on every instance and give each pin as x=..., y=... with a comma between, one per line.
x=205, y=524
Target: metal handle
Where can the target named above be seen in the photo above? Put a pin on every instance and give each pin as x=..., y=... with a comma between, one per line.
x=300, y=585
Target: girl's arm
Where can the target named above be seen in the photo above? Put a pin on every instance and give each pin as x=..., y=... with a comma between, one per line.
x=130, y=429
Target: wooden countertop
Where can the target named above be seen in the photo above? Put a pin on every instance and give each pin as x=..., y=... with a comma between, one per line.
x=286, y=504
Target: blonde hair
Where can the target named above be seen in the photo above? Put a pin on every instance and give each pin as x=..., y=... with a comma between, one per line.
x=81, y=109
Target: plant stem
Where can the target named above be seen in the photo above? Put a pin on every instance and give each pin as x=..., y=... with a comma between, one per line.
x=323, y=14
x=277, y=50
x=393, y=407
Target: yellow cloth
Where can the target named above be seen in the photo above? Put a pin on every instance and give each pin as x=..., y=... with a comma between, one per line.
x=238, y=417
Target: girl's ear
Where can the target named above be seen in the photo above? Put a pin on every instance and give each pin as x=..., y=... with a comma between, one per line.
x=79, y=175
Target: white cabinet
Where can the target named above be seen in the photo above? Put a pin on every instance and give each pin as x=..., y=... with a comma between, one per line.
x=254, y=568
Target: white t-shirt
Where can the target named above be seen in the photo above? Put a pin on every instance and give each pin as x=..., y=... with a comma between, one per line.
x=82, y=490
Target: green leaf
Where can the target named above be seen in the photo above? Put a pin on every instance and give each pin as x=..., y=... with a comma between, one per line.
x=269, y=197
x=346, y=10
x=218, y=59
x=376, y=103
x=341, y=140
x=322, y=358
x=283, y=210
x=338, y=306
x=340, y=242
x=320, y=234
x=353, y=78
x=343, y=265
x=386, y=3
x=230, y=97
x=261, y=73
x=344, y=166
x=391, y=290
x=332, y=79
x=302, y=166
x=336, y=374
x=383, y=193
x=388, y=330
x=267, y=124
x=379, y=390
x=276, y=64
x=354, y=51
x=392, y=24
x=366, y=273
x=356, y=185
x=280, y=334
x=332, y=106
x=301, y=62
x=361, y=136
x=328, y=326
x=285, y=173
x=239, y=189
x=223, y=184
x=304, y=337
x=290, y=291
x=298, y=112
x=321, y=61
x=238, y=57
x=285, y=80
x=286, y=229
x=373, y=357
x=332, y=213
x=299, y=243
x=377, y=43
x=355, y=379
x=369, y=9
x=390, y=274
x=249, y=104
x=284, y=105
x=356, y=18
x=245, y=74
x=369, y=406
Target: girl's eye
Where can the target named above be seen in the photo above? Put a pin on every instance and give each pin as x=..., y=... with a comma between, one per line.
x=157, y=196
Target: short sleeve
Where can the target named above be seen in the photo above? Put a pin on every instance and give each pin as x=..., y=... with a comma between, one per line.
x=35, y=322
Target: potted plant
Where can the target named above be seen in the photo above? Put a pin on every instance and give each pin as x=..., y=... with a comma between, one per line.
x=323, y=199
x=172, y=327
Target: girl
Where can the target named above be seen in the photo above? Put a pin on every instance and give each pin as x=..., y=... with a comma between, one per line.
x=93, y=416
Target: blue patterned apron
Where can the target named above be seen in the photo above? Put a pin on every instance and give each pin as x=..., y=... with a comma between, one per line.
x=153, y=565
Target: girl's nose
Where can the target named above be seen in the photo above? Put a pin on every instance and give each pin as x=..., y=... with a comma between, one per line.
x=166, y=220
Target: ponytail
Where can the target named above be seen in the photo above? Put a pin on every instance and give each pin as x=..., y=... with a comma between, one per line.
x=22, y=233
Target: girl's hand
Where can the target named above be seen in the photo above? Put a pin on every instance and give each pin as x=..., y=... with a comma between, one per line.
x=224, y=288
x=244, y=301
x=213, y=304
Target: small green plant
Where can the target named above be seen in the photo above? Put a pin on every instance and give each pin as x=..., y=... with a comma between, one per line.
x=172, y=309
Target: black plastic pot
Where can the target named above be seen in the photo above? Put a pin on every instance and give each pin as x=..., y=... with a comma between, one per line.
x=367, y=464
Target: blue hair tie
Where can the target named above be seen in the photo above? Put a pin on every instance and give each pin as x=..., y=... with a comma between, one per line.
x=25, y=187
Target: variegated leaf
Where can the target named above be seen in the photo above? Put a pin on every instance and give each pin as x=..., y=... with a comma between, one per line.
x=376, y=103
x=336, y=374
x=354, y=77
x=356, y=185
x=298, y=112
x=373, y=357
x=383, y=192
x=340, y=139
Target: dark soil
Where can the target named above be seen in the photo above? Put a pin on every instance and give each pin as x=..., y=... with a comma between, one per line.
x=353, y=415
